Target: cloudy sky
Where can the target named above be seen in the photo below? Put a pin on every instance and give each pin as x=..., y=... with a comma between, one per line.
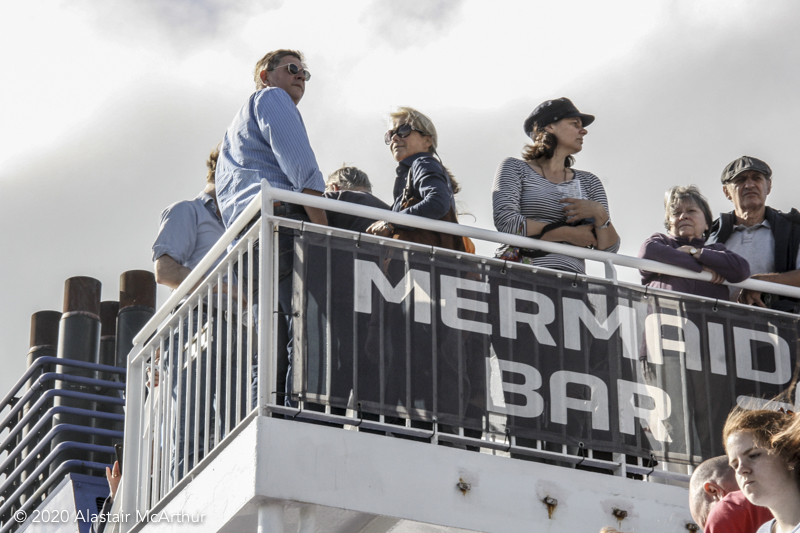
x=108, y=109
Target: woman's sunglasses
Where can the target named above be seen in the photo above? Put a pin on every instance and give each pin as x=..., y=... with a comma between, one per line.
x=294, y=70
x=402, y=131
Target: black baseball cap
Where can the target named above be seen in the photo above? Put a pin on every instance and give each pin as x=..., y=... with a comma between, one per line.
x=737, y=166
x=553, y=111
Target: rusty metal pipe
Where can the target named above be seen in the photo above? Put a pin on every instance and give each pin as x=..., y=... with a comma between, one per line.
x=107, y=356
x=78, y=340
x=43, y=342
x=137, y=305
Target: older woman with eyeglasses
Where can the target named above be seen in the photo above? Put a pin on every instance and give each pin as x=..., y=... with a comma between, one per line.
x=423, y=187
x=688, y=218
x=543, y=197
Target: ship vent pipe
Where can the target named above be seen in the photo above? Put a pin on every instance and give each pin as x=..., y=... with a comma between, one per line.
x=79, y=340
x=107, y=356
x=137, y=305
x=43, y=342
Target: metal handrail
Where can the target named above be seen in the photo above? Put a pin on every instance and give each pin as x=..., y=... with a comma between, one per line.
x=64, y=467
x=54, y=453
x=68, y=378
x=41, y=361
x=414, y=221
x=18, y=447
x=519, y=241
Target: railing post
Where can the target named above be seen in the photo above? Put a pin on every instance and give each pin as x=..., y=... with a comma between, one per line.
x=129, y=484
x=266, y=371
x=611, y=271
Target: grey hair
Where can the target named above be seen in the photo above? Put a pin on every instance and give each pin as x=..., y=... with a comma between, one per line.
x=346, y=178
x=418, y=121
x=681, y=193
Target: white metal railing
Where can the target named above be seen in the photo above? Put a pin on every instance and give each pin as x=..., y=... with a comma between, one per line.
x=178, y=337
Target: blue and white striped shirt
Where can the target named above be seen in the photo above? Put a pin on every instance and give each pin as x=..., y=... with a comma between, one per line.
x=267, y=139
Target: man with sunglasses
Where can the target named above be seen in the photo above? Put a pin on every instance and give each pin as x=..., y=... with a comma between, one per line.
x=267, y=140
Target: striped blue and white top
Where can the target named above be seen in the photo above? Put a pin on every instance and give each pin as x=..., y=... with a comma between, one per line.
x=267, y=139
x=519, y=192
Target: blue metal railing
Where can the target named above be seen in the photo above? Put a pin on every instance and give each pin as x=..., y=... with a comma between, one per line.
x=30, y=467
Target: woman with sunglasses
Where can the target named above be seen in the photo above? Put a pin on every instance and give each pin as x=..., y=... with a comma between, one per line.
x=542, y=197
x=763, y=448
x=423, y=187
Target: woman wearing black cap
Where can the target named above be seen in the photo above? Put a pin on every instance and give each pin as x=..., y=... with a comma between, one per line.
x=542, y=197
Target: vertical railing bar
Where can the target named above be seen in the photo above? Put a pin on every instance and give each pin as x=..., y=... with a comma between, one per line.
x=164, y=392
x=190, y=359
x=141, y=460
x=328, y=330
x=229, y=355
x=212, y=326
x=407, y=326
x=239, y=295
x=172, y=378
x=198, y=381
x=179, y=437
x=249, y=353
x=356, y=353
x=382, y=360
x=267, y=343
x=434, y=351
x=149, y=450
x=274, y=258
x=461, y=408
x=218, y=401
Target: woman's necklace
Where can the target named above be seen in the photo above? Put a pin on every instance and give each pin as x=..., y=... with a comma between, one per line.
x=544, y=175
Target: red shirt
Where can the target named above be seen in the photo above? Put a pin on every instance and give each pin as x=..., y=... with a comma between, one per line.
x=735, y=514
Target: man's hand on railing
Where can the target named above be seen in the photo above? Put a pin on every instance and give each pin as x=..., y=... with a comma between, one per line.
x=380, y=228
x=751, y=298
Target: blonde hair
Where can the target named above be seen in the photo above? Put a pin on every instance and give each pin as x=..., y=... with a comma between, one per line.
x=418, y=121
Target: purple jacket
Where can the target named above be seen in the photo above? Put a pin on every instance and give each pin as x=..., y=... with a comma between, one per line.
x=664, y=248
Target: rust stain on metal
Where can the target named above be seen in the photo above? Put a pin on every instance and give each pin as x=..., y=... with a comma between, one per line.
x=619, y=514
x=463, y=486
x=551, y=504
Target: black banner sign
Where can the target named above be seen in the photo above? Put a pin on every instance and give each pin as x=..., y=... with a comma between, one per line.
x=464, y=341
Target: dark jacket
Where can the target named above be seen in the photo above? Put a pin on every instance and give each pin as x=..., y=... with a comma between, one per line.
x=664, y=248
x=429, y=183
x=785, y=228
x=351, y=222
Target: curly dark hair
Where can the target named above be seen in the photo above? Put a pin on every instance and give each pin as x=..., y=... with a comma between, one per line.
x=543, y=147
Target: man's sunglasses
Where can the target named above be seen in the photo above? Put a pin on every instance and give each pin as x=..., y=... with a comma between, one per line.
x=402, y=131
x=294, y=70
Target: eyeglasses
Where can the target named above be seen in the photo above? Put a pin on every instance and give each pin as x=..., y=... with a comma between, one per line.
x=402, y=131
x=294, y=70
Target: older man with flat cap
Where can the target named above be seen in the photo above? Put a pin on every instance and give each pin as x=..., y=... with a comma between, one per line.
x=766, y=237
